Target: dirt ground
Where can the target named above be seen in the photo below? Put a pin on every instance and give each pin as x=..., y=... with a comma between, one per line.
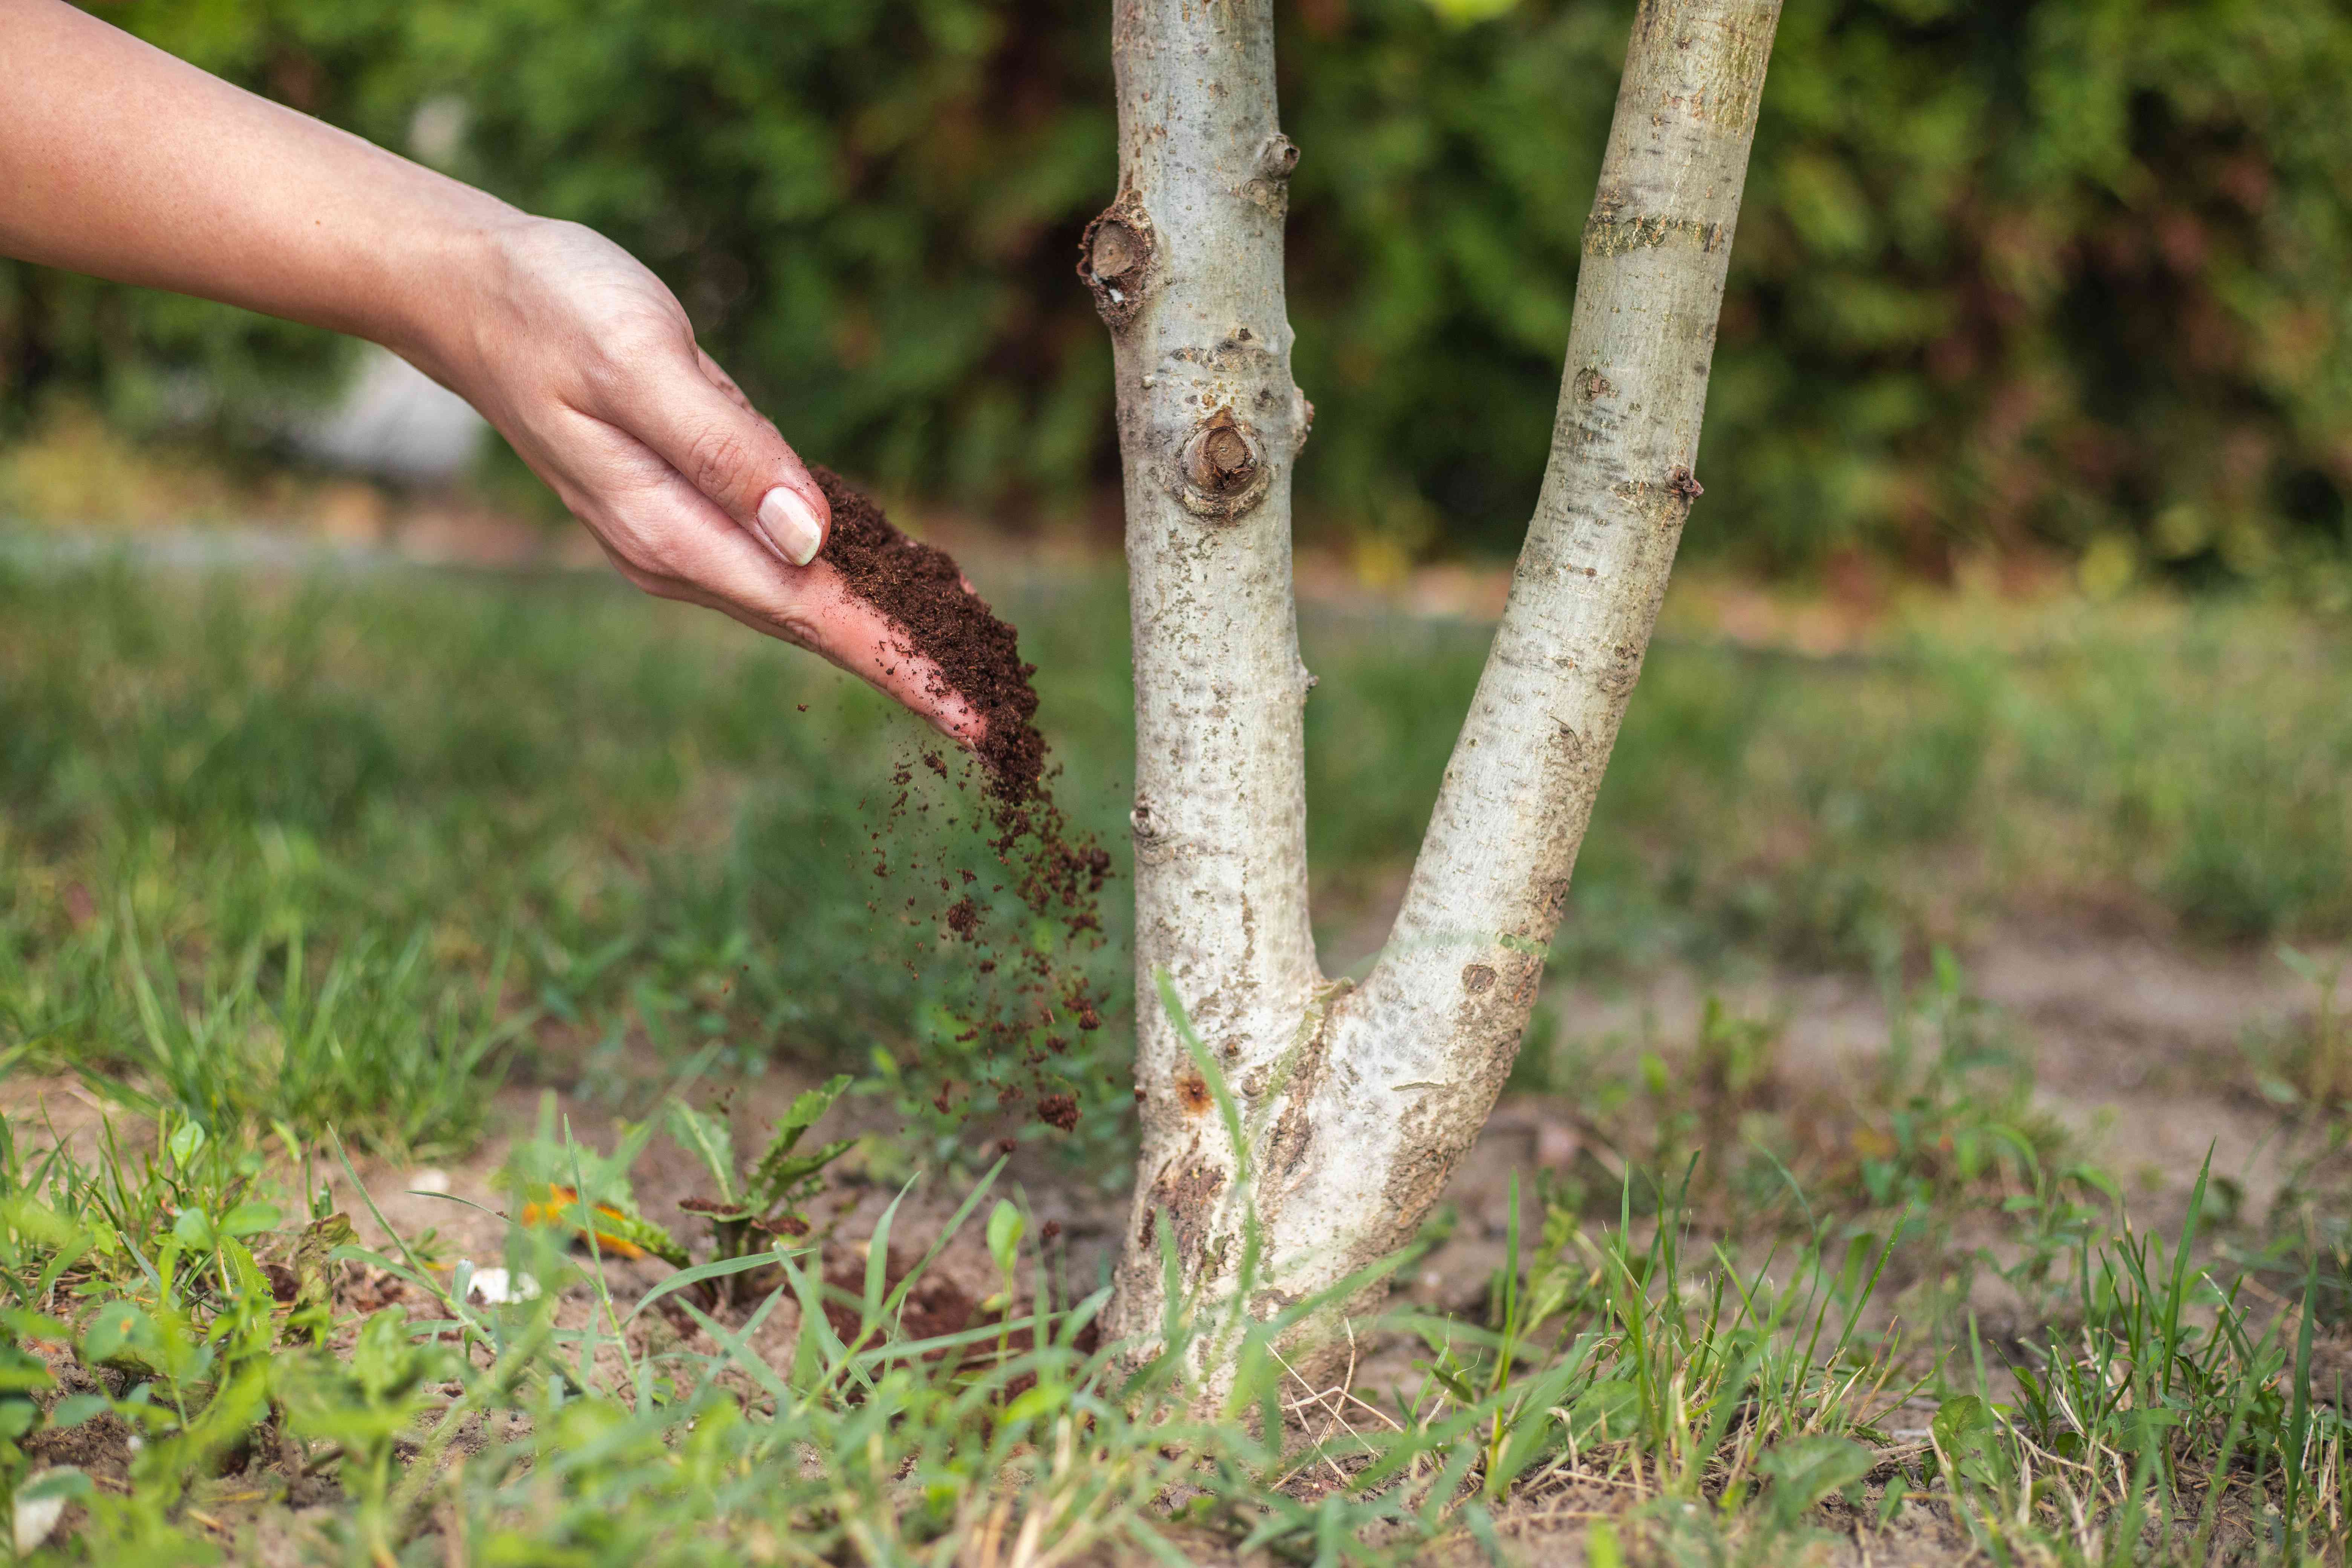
x=2137, y=1045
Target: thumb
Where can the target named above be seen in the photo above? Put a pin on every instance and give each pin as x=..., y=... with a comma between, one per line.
x=710, y=435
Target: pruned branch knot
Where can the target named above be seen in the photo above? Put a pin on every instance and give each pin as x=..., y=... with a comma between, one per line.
x=1221, y=473
x=1223, y=461
x=1268, y=186
x=1118, y=251
x=1115, y=259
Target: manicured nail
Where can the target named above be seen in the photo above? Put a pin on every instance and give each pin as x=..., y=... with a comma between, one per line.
x=789, y=526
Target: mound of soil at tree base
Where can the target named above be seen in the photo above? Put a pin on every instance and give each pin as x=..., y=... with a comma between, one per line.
x=921, y=591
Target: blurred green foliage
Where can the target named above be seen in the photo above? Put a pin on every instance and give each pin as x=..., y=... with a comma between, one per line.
x=2023, y=273
x=317, y=847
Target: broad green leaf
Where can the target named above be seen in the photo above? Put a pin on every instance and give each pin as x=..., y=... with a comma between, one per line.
x=64, y=1481
x=35, y=1222
x=248, y=1219
x=22, y=1324
x=249, y=1287
x=193, y=1230
x=1804, y=1470
x=1005, y=1227
x=1968, y=1439
x=74, y=1409
x=1961, y=1423
x=1043, y=1399
x=807, y=1110
x=115, y=1328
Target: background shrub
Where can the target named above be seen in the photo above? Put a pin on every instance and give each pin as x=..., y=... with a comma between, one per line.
x=2025, y=273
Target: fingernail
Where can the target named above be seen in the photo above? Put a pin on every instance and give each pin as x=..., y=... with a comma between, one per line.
x=789, y=525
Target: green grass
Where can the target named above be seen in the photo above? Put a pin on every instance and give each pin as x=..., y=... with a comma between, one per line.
x=2178, y=765
x=619, y=823
x=1943, y=1118
x=1694, y=1405
x=620, y=811
x=282, y=858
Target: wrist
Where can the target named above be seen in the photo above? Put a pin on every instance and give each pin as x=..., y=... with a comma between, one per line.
x=452, y=287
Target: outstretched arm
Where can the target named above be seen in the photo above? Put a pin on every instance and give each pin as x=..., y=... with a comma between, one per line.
x=119, y=160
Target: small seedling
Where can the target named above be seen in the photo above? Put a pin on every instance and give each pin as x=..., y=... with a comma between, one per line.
x=752, y=1209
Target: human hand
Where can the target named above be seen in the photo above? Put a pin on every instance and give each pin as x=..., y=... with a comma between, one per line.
x=586, y=363
x=578, y=354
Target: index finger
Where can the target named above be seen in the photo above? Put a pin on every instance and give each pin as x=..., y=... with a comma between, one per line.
x=701, y=558
x=851, y=633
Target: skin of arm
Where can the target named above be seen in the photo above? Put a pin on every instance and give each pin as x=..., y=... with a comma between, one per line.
x=119, y=160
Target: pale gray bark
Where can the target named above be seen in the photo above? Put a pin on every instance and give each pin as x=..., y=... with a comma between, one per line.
x=1186, y=267
x=1357, y=1104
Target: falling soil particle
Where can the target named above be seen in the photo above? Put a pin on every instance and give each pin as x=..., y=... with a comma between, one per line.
x=936, y=618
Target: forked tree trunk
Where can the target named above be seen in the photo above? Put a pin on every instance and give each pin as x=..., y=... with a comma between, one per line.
x=1355, y=1103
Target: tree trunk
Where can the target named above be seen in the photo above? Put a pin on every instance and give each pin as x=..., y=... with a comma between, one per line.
x=1354, y=1105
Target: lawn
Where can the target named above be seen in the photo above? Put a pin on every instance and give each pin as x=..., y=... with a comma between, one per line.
x=315, y=875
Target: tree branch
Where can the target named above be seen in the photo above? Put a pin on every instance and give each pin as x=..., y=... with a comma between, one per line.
x=1419, y=1054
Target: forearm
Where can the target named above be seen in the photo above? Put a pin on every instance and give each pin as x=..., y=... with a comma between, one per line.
x=117, y=160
